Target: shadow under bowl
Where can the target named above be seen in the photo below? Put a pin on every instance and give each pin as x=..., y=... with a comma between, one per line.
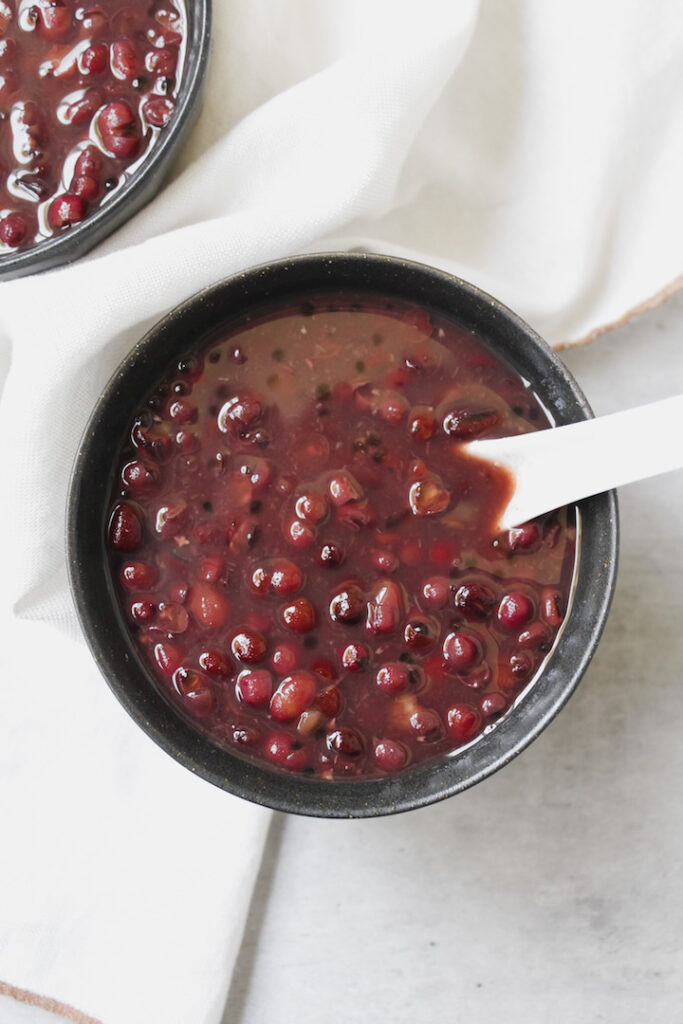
x=188, y=327
x=146, y=181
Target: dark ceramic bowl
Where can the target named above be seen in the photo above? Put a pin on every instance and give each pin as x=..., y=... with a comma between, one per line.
x=147, y=180
x=188, y=326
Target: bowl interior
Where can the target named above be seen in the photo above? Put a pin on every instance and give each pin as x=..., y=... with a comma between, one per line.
x=188, y=326
x=147, y=180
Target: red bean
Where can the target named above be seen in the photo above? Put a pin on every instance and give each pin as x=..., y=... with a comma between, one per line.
x=140, y=478
x=118, y=127
x=196, y=690
x=348, y=604
x=214, y=662
x=169, y=657
x=285, y=658
x=385, y=608
x=282, y=749
x=125, y=62
x=393, y=677
x=67, y=210
x=552, y=606
x=13, y=230
x=95, y=60
x=390, y=755
x=311, y=507
x=294, y=694
x=461, y=651
x=162, y=61
x=301, y=535
x=138, y=575
x=209, y=606
x=299, y=615
x=355, y=657
x=158, y=111
x=422, y=423
x=255, y=687
x=515, y=610
x=125, y=528
x=343, y=487
x=435, y=592
x=462, y=721
x=475, y=601
x=54, y=19
x=429, y=497
x=249, y=646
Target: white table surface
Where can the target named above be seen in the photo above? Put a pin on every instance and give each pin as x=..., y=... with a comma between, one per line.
x=550, y=892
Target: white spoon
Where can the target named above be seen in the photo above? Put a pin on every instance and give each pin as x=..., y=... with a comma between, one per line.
x=554, y=467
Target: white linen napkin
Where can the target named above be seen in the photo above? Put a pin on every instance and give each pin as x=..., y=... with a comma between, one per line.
x=534, y=148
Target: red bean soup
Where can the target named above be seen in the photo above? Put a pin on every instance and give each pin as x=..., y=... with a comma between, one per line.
x=86, y=89
x=307, y=560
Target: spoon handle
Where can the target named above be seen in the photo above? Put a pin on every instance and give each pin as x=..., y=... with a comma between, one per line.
x=552, y=468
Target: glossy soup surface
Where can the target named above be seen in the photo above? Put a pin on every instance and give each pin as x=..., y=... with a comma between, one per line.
x=308, y=562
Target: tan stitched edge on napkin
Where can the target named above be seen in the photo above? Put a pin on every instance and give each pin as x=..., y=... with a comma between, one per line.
x=67, y=1012
x=642, y=307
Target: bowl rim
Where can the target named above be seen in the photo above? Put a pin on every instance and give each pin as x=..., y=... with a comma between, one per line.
x=143, y=185
x=131, y=681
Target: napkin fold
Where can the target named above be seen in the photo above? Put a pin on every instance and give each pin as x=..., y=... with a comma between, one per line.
x=533, y=148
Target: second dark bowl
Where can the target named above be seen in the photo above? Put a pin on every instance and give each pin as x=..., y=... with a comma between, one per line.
x=187, y=328
x=141, y=188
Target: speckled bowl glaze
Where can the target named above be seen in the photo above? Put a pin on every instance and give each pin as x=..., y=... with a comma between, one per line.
x=187, y=327
x=147, y=180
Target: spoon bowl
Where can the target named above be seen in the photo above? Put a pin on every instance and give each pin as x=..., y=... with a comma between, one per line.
x=552, y=468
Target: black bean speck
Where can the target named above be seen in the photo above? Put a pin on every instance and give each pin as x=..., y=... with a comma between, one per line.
x=397, y=518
